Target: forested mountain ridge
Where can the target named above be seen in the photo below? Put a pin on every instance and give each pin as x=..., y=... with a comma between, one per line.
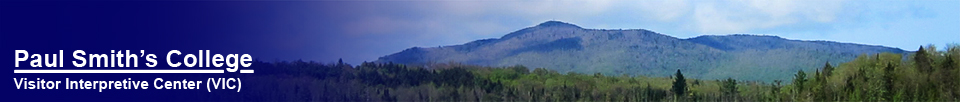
x=566, y=47
x=924, y=75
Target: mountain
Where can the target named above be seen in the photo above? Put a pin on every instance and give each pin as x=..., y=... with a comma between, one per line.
x=566, y=47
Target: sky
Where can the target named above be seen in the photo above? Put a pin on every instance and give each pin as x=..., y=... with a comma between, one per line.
x=359, y=31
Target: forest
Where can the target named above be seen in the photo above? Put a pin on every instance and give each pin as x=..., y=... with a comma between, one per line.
x=924, y=75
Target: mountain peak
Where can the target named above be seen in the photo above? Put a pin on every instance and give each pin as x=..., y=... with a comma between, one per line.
x=556, y=24
x=565, y=47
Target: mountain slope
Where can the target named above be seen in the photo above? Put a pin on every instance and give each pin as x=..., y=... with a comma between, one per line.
x=569, y=48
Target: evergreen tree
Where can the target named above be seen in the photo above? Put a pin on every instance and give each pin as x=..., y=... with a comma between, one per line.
x=827, y=70
x=798, y=81
x=340, y=63
x=729, y=89
x=888, y=82
x=679, y=84
x=818, y=77
x=776, y=90
x=923, y=63
x=922, y=60
x=817, y=86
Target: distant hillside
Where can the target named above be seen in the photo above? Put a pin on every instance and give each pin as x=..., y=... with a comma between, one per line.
x=569, y=48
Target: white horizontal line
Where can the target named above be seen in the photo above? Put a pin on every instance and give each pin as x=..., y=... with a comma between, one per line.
x=118, y=71
x=246, y=71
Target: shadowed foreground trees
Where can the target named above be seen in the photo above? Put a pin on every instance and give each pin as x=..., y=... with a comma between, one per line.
x=877, y=77
x=679, y=84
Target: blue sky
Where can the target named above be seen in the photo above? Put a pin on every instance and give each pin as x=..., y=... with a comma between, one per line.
x=360, y=31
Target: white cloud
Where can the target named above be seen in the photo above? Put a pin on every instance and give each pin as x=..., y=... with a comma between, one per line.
x=745, y=15
x=663, y=10
x=711, y=20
